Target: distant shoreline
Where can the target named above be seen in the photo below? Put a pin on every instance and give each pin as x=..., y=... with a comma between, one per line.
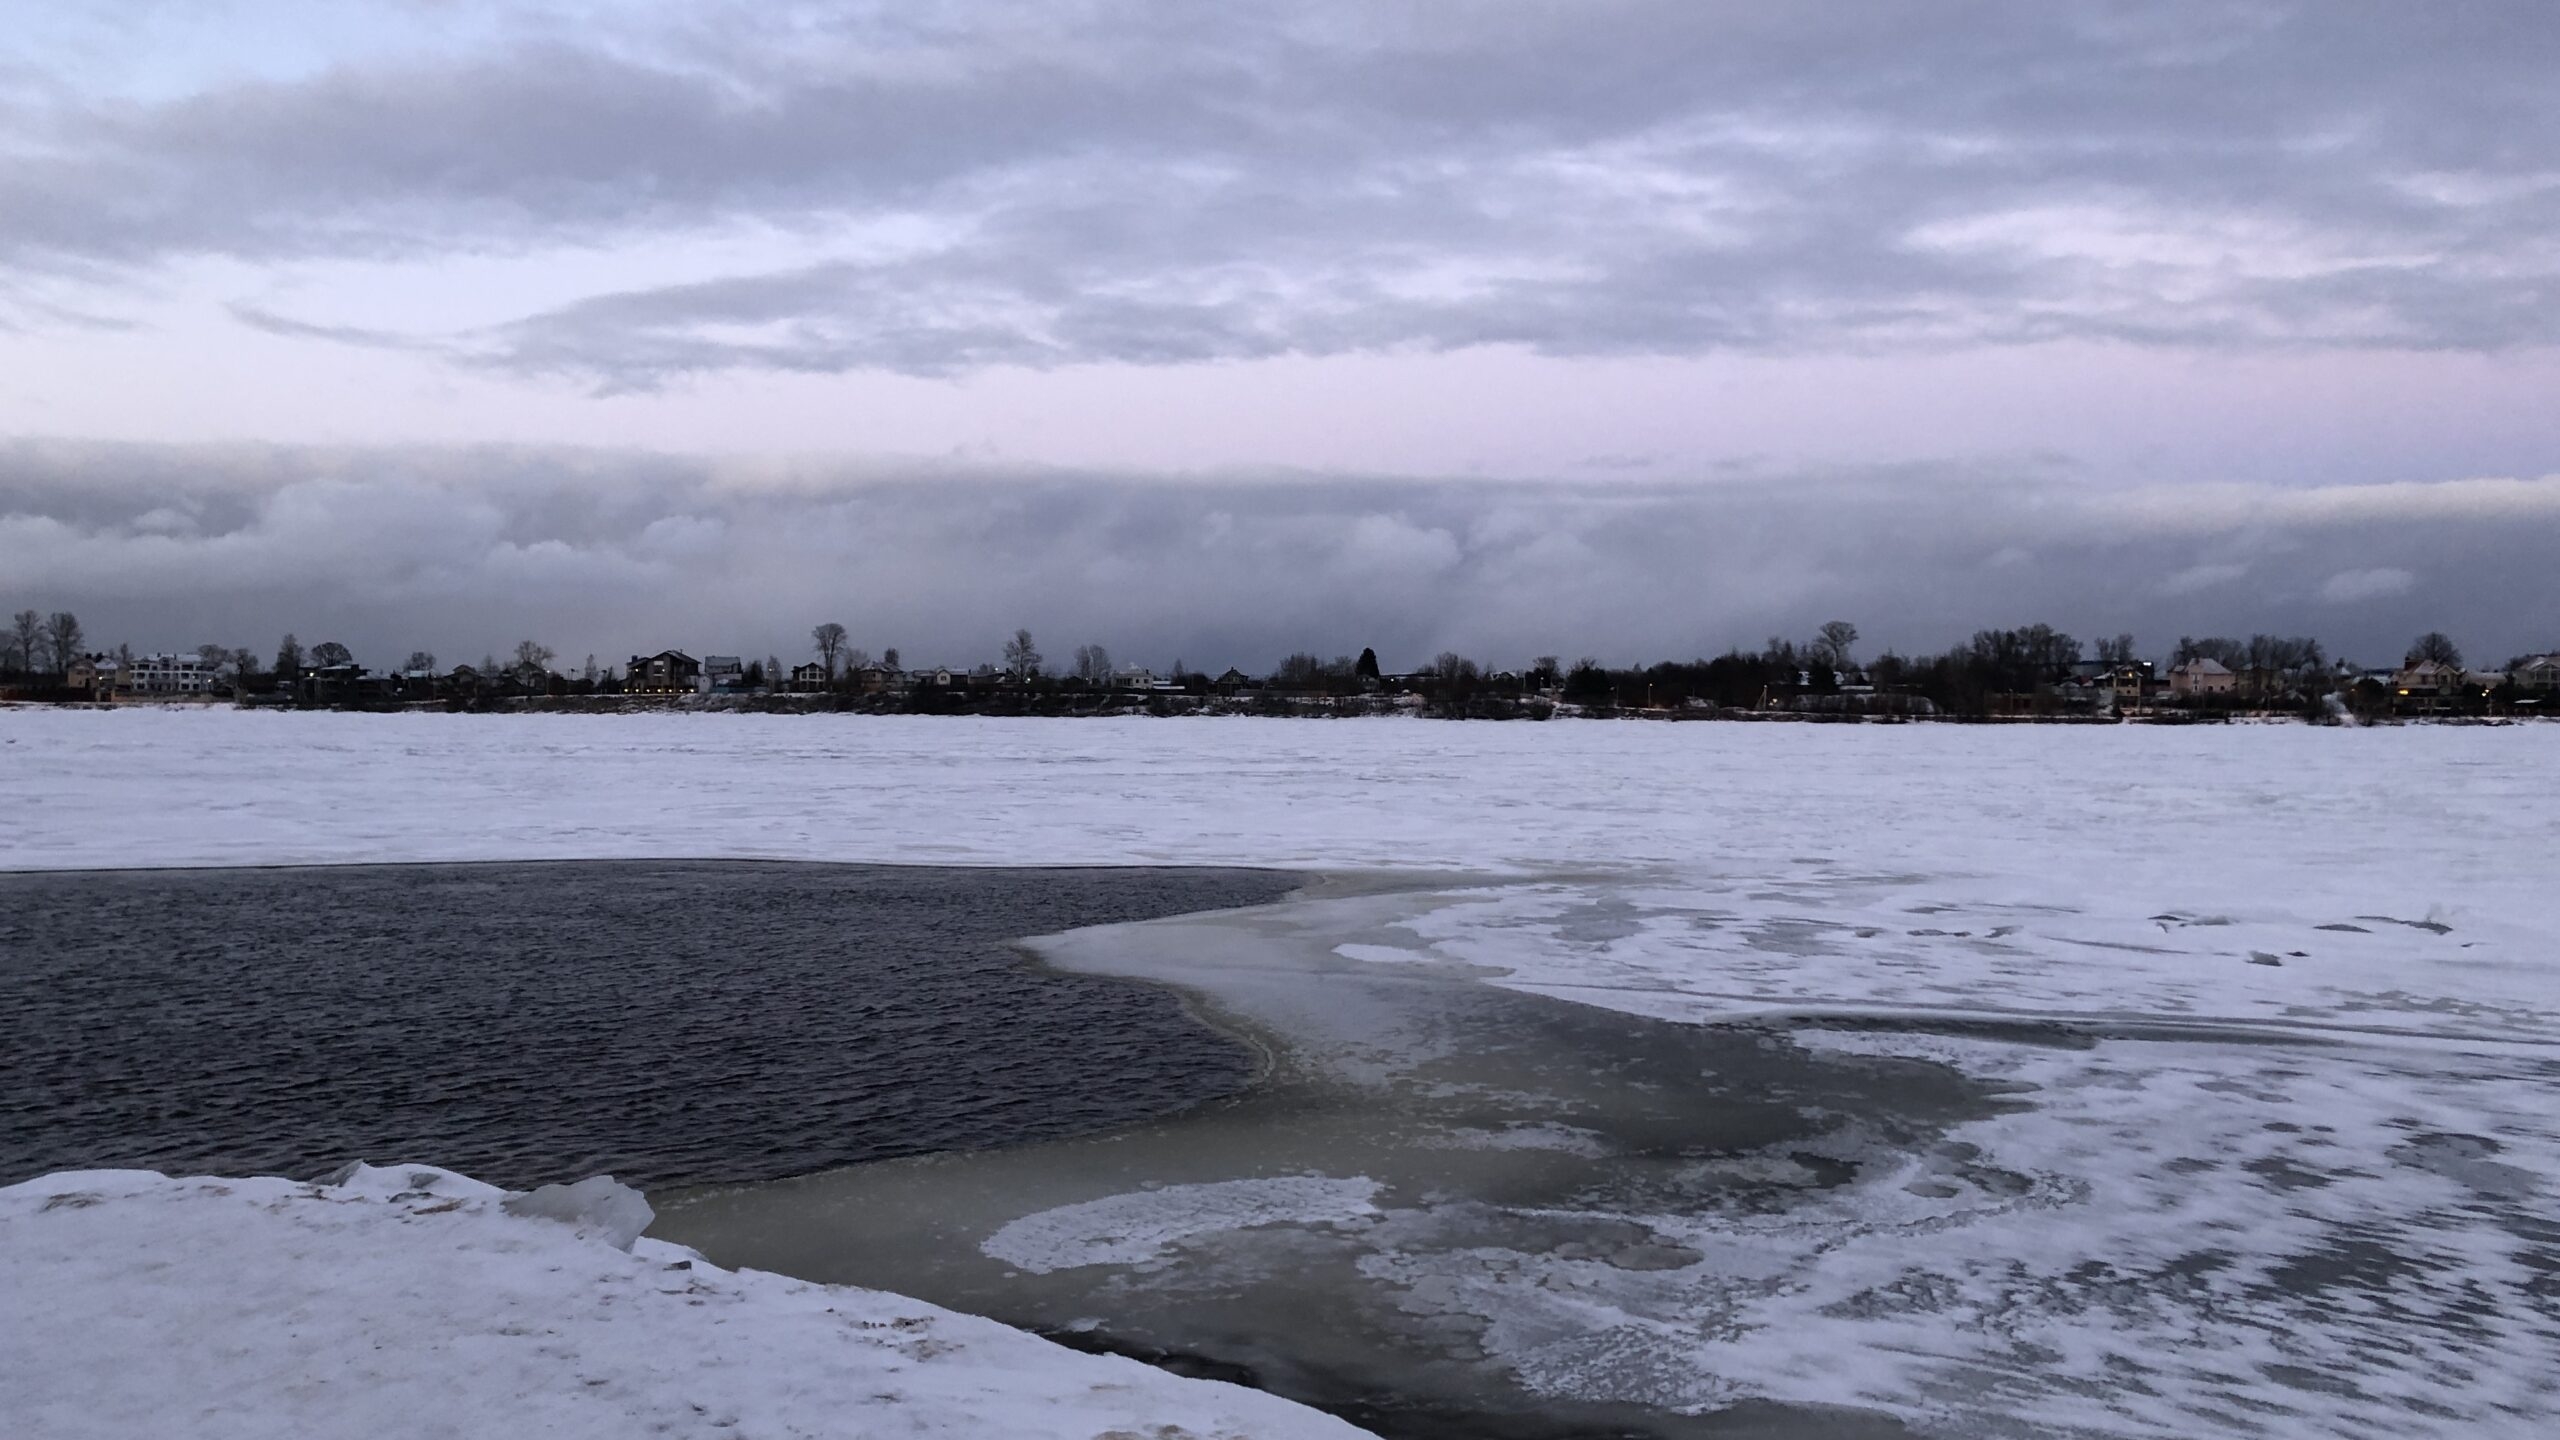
x=1052, y=707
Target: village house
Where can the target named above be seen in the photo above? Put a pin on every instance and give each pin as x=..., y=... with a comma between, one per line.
x=875, y=680
x=2129, y=684
x=809, y=678
x=2425, y=685
x=2200, y=677
x=669, y=672
x=2538, y=675
x=724, y=674
x=346, y=684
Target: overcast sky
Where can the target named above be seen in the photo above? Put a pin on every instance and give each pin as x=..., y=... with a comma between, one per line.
x=1214, y=330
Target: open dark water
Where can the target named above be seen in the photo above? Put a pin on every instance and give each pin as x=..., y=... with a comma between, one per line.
x=668, y=1022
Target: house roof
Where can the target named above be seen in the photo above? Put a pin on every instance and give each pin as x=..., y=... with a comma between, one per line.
x=2201, y=665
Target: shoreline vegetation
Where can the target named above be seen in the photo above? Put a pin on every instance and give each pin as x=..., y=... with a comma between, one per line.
x=2033, y=673
x=1288, y=707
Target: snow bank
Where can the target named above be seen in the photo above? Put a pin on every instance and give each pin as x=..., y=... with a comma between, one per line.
x=407, y=1300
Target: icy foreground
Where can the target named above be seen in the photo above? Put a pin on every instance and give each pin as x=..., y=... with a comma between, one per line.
x=406, y=1300
x=2281, y=1005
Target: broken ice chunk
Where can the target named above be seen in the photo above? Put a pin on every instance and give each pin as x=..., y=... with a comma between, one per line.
x=598, y=1205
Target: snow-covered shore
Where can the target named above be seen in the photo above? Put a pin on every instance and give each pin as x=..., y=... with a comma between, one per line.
x=2296, y=1182
x=406, y=1301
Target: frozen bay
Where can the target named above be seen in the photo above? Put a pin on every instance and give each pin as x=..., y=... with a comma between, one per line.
x=2292, y=1173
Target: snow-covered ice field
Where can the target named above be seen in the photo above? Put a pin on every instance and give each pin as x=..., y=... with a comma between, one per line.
x=2300, y=1179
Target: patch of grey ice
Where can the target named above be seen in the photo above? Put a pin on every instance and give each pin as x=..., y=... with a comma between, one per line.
x=1137, y=1227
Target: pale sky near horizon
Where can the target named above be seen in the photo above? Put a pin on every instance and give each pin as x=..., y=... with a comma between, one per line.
x=1699, y=256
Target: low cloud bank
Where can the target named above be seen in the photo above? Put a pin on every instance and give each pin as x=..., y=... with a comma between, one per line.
x=465, y=551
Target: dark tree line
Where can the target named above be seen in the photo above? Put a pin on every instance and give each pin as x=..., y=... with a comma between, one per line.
x=1994, y=671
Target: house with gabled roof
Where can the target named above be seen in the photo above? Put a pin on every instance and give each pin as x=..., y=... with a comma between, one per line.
x=2201, y=676
x=669, y=672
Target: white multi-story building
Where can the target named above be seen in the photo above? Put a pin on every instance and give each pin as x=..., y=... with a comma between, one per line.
x=167, y=675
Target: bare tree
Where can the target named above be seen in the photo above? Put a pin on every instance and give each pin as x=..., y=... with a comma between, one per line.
x=829, y=640
x=2222, y=650
x=533, y=656
x=856, y=660
x=1301, y=671
x=288, y=656
x=62, y=632
x=26, y=636
x=2118, y=651
x=420, y=660
x=244, y=666
x=212, y=656
x=1093, y=665
x=330, y=652
x=1454, y=669
x=1546, y=672
x=1021, y=657
x=1831, y=643
x=889, y=657
x=2437, y=646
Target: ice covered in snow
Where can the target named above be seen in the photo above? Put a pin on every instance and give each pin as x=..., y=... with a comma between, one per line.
x=2280, y=1005
x=407, y=1300
x=2199, y=1211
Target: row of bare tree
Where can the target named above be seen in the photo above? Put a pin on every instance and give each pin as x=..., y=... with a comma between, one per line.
x=36, y=642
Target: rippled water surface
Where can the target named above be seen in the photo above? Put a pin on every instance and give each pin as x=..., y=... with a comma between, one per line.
x=669, y=1022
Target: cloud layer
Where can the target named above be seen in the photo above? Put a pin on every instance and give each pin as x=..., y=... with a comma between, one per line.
x=933, y=189
x=466, y=551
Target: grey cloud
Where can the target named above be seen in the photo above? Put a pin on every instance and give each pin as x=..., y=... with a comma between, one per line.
x=1158, y=182
x=466, y=551
x=2348, y=587
x=257, y=318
